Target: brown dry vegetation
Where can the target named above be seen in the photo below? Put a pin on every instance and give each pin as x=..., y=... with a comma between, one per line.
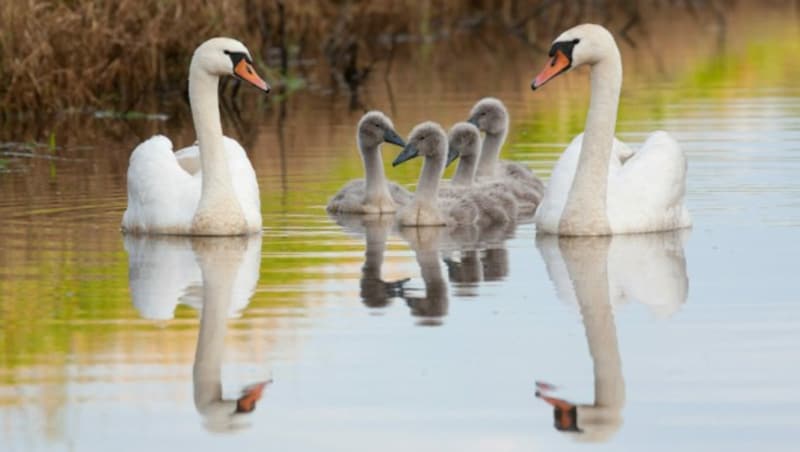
x=90, y=54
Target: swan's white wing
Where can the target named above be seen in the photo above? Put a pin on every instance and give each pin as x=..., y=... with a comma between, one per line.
x=162, y=197
x=161, y=271
x=622, y=151
x=646, y=192
x=189, y=159
x=658, y=168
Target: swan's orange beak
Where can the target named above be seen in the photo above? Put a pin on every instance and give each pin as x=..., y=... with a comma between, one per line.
x=247, y=402
x=245, y=71
x=556, y=65
x=565, y=414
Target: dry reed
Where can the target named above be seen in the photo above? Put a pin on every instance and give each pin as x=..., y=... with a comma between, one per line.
x=90, y=54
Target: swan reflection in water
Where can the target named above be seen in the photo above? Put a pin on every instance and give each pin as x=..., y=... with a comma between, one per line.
x=470, y=256
x=215, y=275
x=598, y=274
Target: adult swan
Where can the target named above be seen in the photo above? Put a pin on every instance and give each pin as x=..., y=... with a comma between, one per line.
x=601, y=194
x=173, y=193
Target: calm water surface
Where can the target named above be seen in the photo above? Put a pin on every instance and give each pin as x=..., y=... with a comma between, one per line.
x=379, y=339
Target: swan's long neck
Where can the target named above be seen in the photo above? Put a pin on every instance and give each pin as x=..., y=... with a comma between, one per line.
x=585, y=211
x=490, y=152
x=217, y=186
x=465, y=172
x=428, y=186
x=373, y=172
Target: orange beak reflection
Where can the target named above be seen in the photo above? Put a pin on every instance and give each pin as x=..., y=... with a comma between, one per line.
x=556, y=65
x=245, y=71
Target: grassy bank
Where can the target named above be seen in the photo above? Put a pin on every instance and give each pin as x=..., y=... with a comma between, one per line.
x=91, y=54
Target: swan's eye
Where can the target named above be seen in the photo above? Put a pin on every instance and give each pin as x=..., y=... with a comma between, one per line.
x=236, y=57
x=575, y=41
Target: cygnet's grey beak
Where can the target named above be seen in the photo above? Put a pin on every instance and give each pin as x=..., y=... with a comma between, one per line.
x=473, y=120
x=452, y=154
x=390, y=136
x=409, y=152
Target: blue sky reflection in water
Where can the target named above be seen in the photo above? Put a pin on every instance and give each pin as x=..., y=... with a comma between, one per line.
x=678, y=340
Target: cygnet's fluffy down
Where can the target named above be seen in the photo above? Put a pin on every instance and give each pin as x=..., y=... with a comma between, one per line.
x=352, y=199
x=495, y=204
x=427, y=208
x=373, y=194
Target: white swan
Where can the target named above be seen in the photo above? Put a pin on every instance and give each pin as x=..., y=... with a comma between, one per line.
x=220, y=199
x=427, y=208
x=373, y=194
x=599, y=274
x=491, y=116
x=601, y=195
x=496, y=204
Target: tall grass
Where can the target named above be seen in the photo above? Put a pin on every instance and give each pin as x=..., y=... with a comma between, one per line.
x=88, y=54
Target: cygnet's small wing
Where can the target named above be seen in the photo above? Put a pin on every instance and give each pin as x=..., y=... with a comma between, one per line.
x=349, y=198
x=459, y=210
x=399, y=194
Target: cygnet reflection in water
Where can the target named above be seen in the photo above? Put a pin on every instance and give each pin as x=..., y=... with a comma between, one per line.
x=431, y=307
x=477, y=257
x=375, y=292
x=599, y=274
x=471, y=254
x=216, y=275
